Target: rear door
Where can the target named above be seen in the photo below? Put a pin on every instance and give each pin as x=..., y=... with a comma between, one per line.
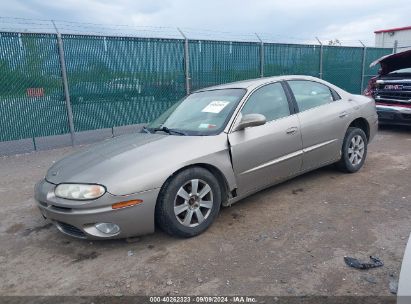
x=265, y=154
x=323, y=117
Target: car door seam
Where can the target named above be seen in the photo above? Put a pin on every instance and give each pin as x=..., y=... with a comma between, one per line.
x=230, y=155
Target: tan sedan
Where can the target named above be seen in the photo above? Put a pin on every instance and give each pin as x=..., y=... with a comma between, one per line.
x=212, y=149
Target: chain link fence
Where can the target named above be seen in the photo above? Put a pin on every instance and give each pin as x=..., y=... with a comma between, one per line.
x=31, y=89
x=291, y=59
x=116, y=81
x=121, y=81
x=215, y=62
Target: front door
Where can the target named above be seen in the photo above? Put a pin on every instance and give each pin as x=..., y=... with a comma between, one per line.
x=263, y=155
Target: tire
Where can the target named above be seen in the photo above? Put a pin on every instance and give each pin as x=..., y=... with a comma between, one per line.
x=177, y=201
x=354, y=150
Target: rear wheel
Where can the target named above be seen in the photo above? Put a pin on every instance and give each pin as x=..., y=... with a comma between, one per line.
x=188, y=203
x=354, y=150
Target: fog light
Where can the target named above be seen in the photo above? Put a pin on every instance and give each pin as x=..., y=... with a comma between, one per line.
x=107, y=228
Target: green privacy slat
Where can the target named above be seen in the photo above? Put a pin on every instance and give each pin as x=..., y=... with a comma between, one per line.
x=116, y=81
x=342, y=66
x=216, y=62
x=289, y=59
x=373, y=54
x=31, y=92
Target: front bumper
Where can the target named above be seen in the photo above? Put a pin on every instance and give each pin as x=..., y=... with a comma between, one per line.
x=77, y=218
x=394, y=115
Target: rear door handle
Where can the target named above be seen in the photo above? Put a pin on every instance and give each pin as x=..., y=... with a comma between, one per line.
x=343, y=114
x=291, y=130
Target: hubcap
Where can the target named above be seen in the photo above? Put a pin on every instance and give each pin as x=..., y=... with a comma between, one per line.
x=356, y=150
x=193, y=203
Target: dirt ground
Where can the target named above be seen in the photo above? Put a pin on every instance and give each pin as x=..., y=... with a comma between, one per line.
x=287, y=240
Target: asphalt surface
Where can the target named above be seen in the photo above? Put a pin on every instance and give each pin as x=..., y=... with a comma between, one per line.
x=287, y=240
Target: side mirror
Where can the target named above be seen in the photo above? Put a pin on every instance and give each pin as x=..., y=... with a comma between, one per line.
x=250, y=120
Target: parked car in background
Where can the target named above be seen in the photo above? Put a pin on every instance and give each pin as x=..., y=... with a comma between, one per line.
x=215, y=147
x=114, y=89
x=125, y=84
x=391, y=89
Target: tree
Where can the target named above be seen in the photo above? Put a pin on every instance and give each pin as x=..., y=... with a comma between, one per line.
x=334, y=42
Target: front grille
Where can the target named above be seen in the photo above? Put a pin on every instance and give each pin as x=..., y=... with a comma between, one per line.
x=394, y=91
x=71, y=230
x=400, y=95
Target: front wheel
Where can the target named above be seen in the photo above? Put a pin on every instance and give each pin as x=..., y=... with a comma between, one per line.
x=188, y=203
x=354, y=150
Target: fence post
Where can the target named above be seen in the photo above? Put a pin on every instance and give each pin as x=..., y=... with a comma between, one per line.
x=364, y=54
x=186, y=61
x=320, y=74
x=261, y=56
x=394, y=49
x=65, y=83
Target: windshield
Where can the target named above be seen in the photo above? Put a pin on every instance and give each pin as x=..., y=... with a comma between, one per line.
x=201, y=113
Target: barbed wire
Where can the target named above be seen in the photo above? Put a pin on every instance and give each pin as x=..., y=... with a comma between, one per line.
x=27, y=25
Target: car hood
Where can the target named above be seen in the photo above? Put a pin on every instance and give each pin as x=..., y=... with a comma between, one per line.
x=134, y=162
x=393, y=62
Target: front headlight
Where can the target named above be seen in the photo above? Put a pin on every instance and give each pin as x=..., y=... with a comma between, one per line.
x=79, y=191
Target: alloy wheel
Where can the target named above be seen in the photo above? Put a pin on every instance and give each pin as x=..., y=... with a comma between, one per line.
x=193, y=203
x=356, y=150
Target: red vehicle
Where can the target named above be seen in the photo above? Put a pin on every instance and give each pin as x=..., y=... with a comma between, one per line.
x=391, y=89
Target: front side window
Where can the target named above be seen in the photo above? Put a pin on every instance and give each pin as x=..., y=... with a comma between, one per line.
x=201, y=113
x=310, y=94
x=270, y=101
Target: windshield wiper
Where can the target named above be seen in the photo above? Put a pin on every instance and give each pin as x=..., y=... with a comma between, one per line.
x=169, y=131
x=146, y=130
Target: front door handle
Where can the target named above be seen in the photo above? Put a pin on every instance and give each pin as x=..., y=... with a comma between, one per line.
x=291, y=130
x=343, y=114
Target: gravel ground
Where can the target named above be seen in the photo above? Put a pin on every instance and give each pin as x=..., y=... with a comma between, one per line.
x=287, y=240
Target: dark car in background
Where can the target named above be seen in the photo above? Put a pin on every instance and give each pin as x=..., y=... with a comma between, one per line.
x=391, y=89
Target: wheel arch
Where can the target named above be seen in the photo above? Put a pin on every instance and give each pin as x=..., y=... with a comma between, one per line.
x=217, y=173
x=362, y=124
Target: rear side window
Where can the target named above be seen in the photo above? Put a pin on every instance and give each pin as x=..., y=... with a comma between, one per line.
x=310, y=94
x=270, y=101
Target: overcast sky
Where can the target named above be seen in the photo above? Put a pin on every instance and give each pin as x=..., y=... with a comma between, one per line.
x=286, y=19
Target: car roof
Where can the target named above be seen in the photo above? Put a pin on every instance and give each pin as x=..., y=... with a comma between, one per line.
x=251, y=84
